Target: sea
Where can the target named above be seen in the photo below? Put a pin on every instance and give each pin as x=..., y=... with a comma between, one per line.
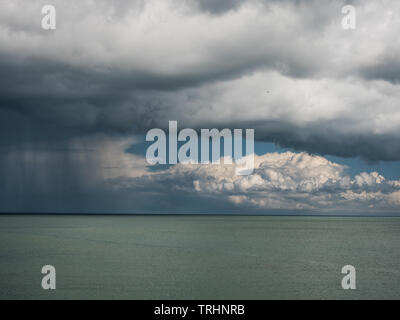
x=199, y=257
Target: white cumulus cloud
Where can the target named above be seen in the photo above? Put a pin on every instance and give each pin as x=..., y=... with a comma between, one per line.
x=280, y=181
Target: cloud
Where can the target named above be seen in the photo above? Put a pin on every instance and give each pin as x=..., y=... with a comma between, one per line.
x=115, y=69
x=387, y=67
x=280, y=181
x=80, y=164
x=218, y=7
x=285, y=68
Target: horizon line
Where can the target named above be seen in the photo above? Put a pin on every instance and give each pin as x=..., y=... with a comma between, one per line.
x=196, y=214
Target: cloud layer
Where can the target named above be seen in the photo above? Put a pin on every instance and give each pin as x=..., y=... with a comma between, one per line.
x=72, y=98
x=285, y=68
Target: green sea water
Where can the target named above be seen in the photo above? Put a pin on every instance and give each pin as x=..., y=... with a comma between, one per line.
x=199, y=257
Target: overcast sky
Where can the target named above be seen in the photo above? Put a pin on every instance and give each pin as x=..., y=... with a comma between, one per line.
x=76, y=103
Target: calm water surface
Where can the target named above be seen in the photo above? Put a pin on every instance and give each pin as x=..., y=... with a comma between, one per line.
x=199, y=257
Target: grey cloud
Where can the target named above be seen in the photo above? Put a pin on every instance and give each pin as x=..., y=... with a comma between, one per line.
x=324, y=138
x=218, y=7
x=387, y=68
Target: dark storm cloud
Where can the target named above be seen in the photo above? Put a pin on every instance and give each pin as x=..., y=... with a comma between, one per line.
x=322, y=138
x=156, y=62
x=51, y=101
x=218, y=7
x=387, y=68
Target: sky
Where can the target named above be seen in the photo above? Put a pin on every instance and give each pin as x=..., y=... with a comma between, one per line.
x=76, y=104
